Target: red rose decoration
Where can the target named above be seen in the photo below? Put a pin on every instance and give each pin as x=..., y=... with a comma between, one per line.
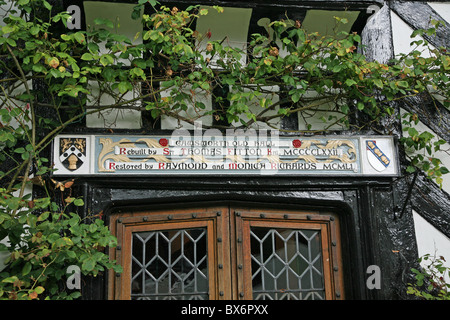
x=296, y=143
x=163, y=142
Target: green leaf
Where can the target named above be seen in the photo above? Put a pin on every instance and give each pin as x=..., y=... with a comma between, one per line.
x=378, y=83
x=34, y=30
x=345, y=109
x=39, y=289
x=137, y=71
x=87, y=57
x=47, y=5
x=296, y=97
x=410, y=169
x=106, y=59
x=26, y=268
x=78, y=202
x=205, y=85
x=93, y=47
x=88, y=264
x=124, y=87
x=66, y=37
x=75, y=295
x=337, y=68
x=11, y=42
x=37, y=57
x=92, y=227
x=11, y=279
x=79, y=37
x=444, y=170
x=403, y=84
x=106, y=22
x=412, y=132
x=8, y=29
x=108, y=74
x=140, y=63
x=166, y=84
x=44, y=216
x=12, y=203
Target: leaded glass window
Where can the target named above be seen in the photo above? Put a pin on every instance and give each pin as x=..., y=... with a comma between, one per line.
x=286, y=264
x=170, y=264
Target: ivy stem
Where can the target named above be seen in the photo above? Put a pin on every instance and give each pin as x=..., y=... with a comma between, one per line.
x=33, y=129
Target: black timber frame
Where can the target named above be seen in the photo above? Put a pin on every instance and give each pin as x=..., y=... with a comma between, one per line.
x=370, y=233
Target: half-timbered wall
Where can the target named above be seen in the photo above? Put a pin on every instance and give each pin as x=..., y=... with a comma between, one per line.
x=382, y=222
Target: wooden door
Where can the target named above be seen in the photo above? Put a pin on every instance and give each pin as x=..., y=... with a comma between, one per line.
x=226, y=253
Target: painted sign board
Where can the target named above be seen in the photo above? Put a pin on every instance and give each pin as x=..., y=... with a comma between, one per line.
x=107, y=155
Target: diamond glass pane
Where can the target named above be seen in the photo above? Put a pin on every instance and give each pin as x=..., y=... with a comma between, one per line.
x=170, y=264
x=286, y=264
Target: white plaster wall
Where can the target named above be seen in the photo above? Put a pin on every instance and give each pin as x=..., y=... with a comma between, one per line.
x=197, y=95
x=112, y=118
x=443, y=8
x=401, y=38
x=440, y=154
x=269, y=93
x=230, y=27
x=120, y=15
x=429, y=239
x=401, y=33
x=434, y=243
x=4, y=11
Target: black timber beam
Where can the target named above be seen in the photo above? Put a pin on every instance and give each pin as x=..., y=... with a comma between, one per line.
x=308, y=4
x=431, y=113
x=432, y=203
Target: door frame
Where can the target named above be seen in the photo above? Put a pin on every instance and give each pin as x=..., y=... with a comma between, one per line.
x=228, y=225
x=212, y=217
x=326, y=222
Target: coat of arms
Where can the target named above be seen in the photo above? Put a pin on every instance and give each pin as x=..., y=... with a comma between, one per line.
x=376, y=154
x=72, y=152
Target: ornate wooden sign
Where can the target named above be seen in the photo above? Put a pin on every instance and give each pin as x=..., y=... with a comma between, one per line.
x=218, y=155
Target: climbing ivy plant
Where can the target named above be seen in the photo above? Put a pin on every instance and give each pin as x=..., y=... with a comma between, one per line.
x=47, y=73
x=432, y=279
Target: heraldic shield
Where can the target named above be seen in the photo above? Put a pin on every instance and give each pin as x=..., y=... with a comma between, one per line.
x=377, y=155
x=72, y=152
